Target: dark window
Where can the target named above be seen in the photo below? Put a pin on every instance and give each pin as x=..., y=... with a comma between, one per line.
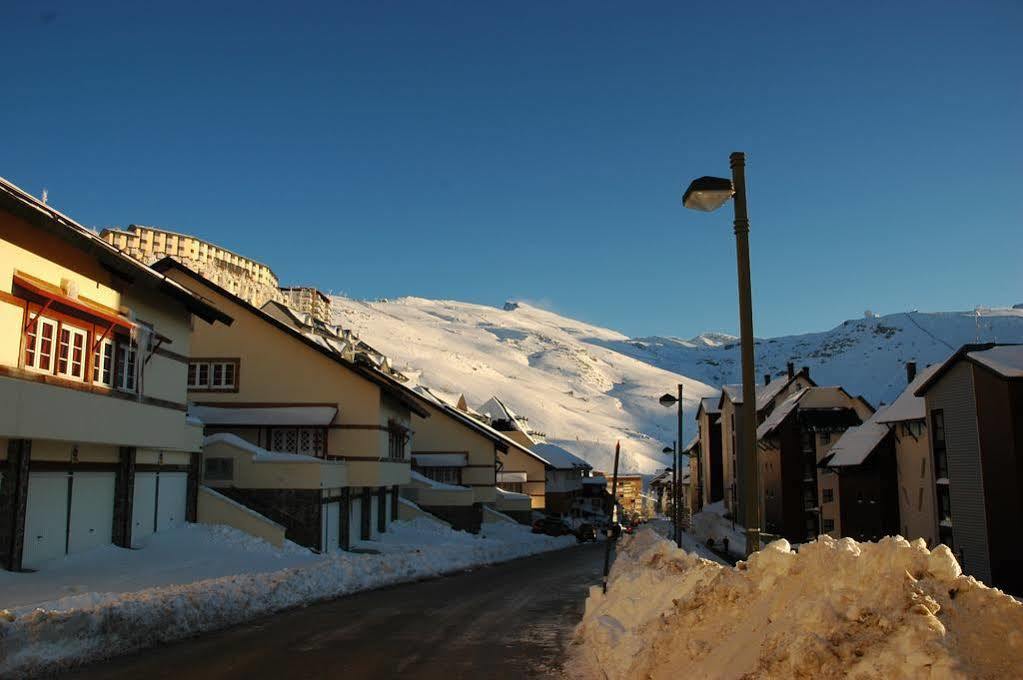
x=808, y=444
x=944, y=504
x=938, y=439
x=396, y=443
x=445, y=475
x=220, y=469
x=515, y=487
x=825, y=437
x=829, y=495
x=828, y=525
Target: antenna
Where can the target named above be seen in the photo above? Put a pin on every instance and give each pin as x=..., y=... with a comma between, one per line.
x=45, y=194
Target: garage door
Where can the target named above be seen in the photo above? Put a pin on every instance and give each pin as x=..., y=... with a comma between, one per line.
x=45, y=518
x=92, y=510
x=331, y=538
x=172, y=497
x=374, y=516
x=143, y=508
x=355, y=519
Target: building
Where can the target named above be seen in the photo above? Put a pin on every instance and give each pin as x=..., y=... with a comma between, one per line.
x=247, y=279
x=906, y=418
x=800, y=498
x=308, y=301
x=630, y=496
x=769, y=396
x=974, y=407
x=689, y=465
x=95, y=446
x=298, y=429
x=594, y=502
x=563, y=477
x=660, y=489
x=708, y=419
x=505, y=420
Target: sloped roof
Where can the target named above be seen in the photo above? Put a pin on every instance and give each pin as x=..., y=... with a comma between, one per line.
x=1005, y=360
x=41, y=215
x=710, y=405
x=559, y=458
x=463, y=418
x=692, y=442
x=765, y=393
x=857, y=443
x=780, y=413
x=908, y=406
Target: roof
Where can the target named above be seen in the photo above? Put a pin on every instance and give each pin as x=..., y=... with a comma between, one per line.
x=780, y=413
x=559, y=458
x=692, y=442
x=1005, y=362
x=710, y=405
x=856, y=444
x=765, y=393
x=908, y=406
x=415, y=402
x=465, y=419
x=127, y=268
x=310, y=415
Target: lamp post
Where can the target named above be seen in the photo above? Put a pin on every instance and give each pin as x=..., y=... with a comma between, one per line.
x=708, y=194
x=668, y=400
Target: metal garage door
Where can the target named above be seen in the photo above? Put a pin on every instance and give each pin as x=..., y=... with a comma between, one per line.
x=171, y=500
x=355, y=519
x=331, y=527
x=45, y=518
x=92, y=510
x=143, y=508
x=374, y=516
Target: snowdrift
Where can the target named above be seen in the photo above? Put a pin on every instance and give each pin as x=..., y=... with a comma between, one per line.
x=838, y=608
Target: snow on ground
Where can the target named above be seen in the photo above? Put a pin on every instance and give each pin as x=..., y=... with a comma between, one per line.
x=201, y=578
x=558, y=372
x=711, y=523
x=838, y=608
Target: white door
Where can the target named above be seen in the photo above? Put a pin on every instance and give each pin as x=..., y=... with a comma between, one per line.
x=172, y=499
x=45, y=518
x=331, y=527
x=387, y=509
x=92, y=510
x=143, y=508
x=355, y=520
x=374, y=516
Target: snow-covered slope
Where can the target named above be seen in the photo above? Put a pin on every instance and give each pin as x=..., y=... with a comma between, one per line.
x=587, y=386
x=566, y=376
x=866, y=356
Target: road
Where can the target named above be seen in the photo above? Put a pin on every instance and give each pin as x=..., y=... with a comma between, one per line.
x=512, y=620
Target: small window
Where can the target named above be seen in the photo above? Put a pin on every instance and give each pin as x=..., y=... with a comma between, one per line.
x=829, y=495
x=39, y=344
x=220, y=469
x=103, y=364
x=923, y=467
x=920, y=500
x=828, y=525
x=825, y=437
x=445, y=475
x=213, y=375
x=71, y=352
x=126, y=368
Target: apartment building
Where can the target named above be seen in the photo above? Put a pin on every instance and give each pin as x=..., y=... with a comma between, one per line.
x=95, y=445
x=308, y=300
x=243, y=277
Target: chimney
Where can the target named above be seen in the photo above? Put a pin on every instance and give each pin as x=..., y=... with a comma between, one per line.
x=767, y=378
x=910, y=371
x=805, y=370
x=791, y=369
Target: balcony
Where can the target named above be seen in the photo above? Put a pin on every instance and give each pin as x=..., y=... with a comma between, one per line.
x=376, y=472
x=252, y=467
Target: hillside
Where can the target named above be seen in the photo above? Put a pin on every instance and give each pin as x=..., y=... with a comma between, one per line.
x=587, y=386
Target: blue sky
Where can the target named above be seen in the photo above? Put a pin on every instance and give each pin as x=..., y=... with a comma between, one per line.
x=537, y=151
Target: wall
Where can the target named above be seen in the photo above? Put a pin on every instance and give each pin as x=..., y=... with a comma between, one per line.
x=215, y=508
x=517, y=460
x=917, y=514
x=444, y=433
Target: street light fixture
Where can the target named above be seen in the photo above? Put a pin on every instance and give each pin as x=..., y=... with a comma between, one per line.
x=708, y=194
x=669, y=400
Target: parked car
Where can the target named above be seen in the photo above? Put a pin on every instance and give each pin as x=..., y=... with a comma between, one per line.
x=585, y=532
x=552, y=526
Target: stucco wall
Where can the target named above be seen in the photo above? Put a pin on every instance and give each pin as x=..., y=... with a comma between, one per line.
x=215, y=508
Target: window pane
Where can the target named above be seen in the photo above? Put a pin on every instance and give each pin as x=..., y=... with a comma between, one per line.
x=191, y=375
x=204, y=375
x=30, y=344
x=63, y=349
x=229, y=374
x=47, y=329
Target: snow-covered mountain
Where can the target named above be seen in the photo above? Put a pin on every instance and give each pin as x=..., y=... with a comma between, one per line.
x=587, y=386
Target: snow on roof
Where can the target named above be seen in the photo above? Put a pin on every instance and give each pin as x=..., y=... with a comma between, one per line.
x=599, y=480
x=780, y=413
x=710, y=405
x=908, y=406
x=496, y=409
x=692, y=442
x=259, y=454
x=452, y=460
x=857, y=443
x=419, y=477
x=559, y=458
x=263, y=416
x=504, y=493
x=1006, y=360
x=765, y=393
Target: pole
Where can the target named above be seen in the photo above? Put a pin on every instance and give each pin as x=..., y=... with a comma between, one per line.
x=611, y=517
x=678, y=462
x=751, y=492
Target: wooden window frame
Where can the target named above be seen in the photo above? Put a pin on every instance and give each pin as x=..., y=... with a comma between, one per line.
x=324, y=434
x=209, y=363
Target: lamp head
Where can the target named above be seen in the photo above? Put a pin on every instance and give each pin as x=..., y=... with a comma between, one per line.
x=708, y=193
x=667, y=449
x=668, y=400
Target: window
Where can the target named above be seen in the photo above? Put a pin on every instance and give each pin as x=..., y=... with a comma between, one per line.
x=396, y=443
x=103, y=364
x=825, y=437
x=213, y=375
x=219, y=469
x=944, y=504
x=309, y=441
x=829, y=495
x=445, y=475
x=39, y=341
x=828, y=525
x=516, y=487
x=923, y=467
x=920, y=500
x=808, y=444
x=126, y=369
x=938, y=439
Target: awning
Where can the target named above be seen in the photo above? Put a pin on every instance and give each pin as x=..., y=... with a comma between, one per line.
x=452, y=460
x=511, y=477
x=305, y=416
x=54, y=293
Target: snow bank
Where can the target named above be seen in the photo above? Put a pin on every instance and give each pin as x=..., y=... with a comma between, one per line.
x=890, y=609
x=711, y=523
x=55, y=635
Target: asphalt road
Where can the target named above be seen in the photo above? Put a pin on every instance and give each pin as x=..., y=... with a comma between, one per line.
x=512, y=620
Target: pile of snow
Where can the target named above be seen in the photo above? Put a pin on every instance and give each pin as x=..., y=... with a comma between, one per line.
x=710, y=524
x=837, y=608
x=45, y=636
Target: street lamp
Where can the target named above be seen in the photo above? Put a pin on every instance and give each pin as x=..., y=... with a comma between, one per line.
x=708, y=194
x=669, y=400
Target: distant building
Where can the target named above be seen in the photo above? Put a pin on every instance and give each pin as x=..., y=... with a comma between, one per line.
x=308, y=300
x=245, y=278
x=974, y=407
x=708, y=418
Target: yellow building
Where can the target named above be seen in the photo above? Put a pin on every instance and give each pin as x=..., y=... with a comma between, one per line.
x=308, y=301
x=252, y=281
x=95, y=446
x=301, y=431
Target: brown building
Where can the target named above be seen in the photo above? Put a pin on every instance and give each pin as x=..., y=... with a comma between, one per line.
x=974, y=405
x=800, y=499
x=708, y=419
